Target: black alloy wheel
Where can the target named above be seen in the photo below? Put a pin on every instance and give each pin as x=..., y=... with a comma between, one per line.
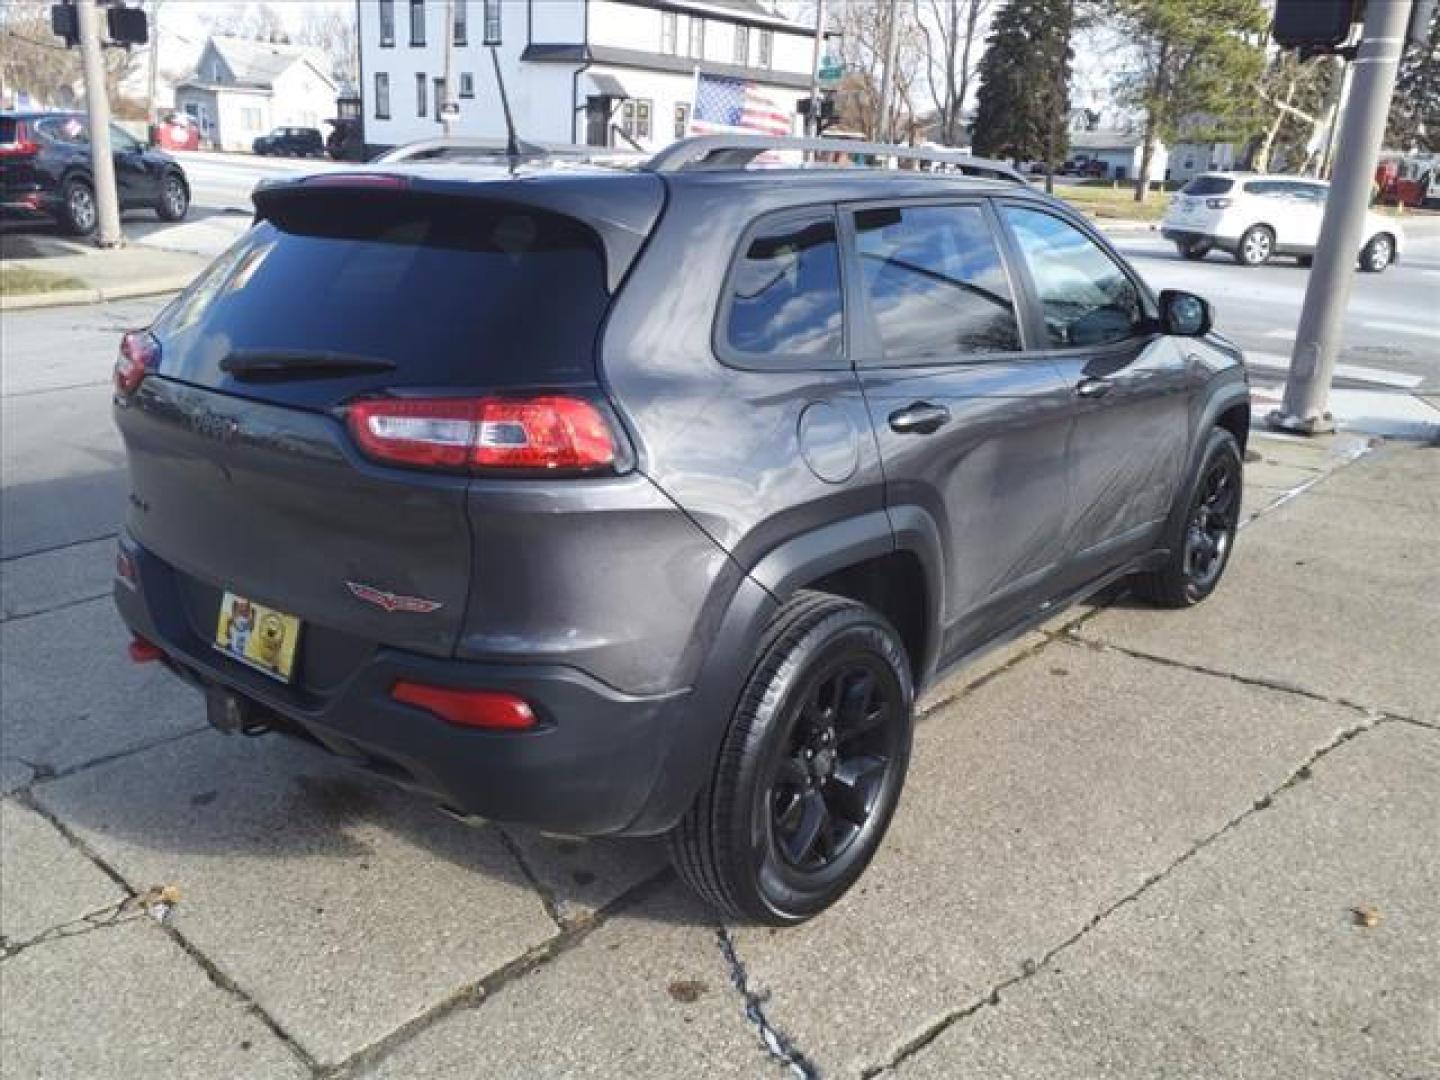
x=1201, y=535
x=810, y=769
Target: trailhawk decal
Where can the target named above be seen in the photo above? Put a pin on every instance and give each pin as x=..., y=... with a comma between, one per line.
x=391, y=602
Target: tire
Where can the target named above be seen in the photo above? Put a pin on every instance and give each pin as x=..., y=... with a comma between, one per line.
x=1201, y=535
x=78, y=213
x=810, y=770
x=1379, y=253
x=174, y=201
x=1256, y=245
x=1192, y=250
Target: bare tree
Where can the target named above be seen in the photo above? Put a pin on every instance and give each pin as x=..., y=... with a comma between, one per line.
x=259, y=22
x=949, y=32
x=335, y=34
x=864, y=26
x=33, y=61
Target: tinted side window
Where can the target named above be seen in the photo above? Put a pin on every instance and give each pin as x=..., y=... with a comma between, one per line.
x=1086, y=298
x=935, y=282
x=785, y=291
x=1270, y=189
x=1208, y=185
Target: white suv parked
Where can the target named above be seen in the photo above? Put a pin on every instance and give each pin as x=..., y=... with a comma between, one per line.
x=1254, y=217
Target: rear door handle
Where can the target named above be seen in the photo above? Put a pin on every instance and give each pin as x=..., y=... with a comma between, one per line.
x=1092, y=388
x=919, y=418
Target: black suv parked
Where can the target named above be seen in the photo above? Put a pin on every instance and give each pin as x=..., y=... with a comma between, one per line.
x=291, y=142
x=45, y=171
x=630, y=502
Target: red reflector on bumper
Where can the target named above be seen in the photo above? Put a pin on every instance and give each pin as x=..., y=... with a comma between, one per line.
x=468, y=708
x=145, y=652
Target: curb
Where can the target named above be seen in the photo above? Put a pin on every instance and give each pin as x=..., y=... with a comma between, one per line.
x=66, y=297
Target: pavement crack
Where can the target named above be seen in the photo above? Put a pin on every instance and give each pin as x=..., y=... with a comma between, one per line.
x=1034, y=967
x=21, y=616
x=474, y=995
x=211, y=970
x=1260, y=681
x=17, y=556
x=776, y=1042
x=548, y=900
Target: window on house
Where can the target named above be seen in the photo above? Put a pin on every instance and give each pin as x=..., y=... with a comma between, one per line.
x=682, y=121
x=742, y=45
x=387, y=23
x=417, y=23
x=492, y=22
x=467, y=85
x=635, y=119
x=767, y=47
x=382, y=96
x=420, y=93
x=669, y=29
x=785, y=292
x=439, y=101
x=462, y=23
x=697, y=37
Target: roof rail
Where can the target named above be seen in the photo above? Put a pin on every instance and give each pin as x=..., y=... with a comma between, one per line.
x=452, y=147
x=737, y=151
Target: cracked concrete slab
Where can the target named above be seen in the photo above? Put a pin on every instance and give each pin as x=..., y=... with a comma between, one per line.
x=645, y=994
x=1329, y=593
x=44, y=879
x=127, y=1002
x=1248, y=961
x=53, y=579
x=1033, y=803
x=982, y=668
x=14, y=775
x=342, y=907
x=72, y=694
x=580, y=877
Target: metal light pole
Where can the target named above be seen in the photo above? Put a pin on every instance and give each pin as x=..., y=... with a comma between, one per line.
x=1312, y=365
x=812, y=121
x=887, y=87
x=153, y=59
x=449, y=94
x=97, y=103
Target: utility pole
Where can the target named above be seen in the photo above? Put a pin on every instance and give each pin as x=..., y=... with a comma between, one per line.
x=1312, y=365
x=887, y=86
x=154, y=60
x=97, y=101
x=1334, y=111
x=449, y=94
x=812, y=121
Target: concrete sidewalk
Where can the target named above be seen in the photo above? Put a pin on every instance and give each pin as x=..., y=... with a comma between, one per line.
x=134, y=270
x=1132, y=845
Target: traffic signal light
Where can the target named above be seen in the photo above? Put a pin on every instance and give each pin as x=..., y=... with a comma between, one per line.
x=65, y=23
x=1313, y=26
x=127, y=26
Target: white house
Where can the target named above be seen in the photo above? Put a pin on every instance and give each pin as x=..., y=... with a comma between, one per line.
x=242, y=89
x=1118, y=151
x=1190, y=159
x=597, y=72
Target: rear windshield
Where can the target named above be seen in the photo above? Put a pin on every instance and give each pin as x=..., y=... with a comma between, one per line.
x=443, y=292
x=1208, y=185
x=7, y=129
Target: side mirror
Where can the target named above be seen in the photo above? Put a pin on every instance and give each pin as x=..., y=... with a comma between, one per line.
x=1184, y=314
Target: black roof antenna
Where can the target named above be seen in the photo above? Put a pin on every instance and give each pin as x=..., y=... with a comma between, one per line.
x=512, y=142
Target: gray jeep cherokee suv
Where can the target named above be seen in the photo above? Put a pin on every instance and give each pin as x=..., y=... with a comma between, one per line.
x=638, y=501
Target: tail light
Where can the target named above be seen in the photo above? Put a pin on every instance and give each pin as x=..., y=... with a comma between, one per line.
x=551, y=433
x=139, y=354
x=22, y=145
x=468, y=708
x=1218, y=204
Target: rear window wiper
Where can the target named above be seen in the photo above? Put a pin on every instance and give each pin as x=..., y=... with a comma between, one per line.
x=299, y=364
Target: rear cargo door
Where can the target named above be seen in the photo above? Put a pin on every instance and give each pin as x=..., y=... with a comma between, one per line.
x=244, y=475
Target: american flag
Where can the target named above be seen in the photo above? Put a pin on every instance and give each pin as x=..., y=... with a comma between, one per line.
x=725, y=104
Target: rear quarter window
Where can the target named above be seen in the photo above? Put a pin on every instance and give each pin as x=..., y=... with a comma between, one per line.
x=784, y=305
x=1208, y=185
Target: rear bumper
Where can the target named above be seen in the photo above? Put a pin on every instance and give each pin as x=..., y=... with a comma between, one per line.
x=600, y=762
x=1193, y=236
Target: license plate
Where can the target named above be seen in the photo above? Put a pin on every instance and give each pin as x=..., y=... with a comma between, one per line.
x=254, y=634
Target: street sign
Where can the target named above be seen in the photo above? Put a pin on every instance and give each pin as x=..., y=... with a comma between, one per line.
x=830, y=72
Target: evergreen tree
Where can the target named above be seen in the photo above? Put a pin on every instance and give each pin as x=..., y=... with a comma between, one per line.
x=1415, y=109
x=1024, y=98
x=1198, y=62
